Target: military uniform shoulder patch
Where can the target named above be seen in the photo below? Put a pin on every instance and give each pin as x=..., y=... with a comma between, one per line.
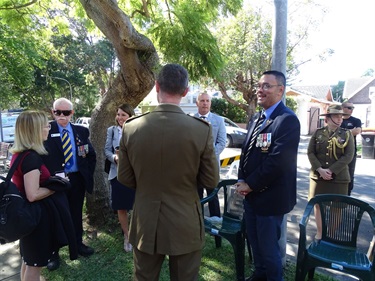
x=136, y=117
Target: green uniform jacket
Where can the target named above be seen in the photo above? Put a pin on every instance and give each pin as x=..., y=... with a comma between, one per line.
x=165, y=155
x=323, y=148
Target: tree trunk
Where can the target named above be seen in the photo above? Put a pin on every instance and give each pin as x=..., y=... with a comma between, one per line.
x=138, y=59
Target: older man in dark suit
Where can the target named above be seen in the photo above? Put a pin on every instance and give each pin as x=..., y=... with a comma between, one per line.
x=70, y=152
x=267, y=175
x=165, y=155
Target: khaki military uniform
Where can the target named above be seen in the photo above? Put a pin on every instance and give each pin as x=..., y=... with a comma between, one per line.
x=332, y=150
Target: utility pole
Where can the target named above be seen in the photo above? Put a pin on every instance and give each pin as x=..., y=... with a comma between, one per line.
x=279, y=40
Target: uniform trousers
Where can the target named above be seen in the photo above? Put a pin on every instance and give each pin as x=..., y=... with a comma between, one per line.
x=181, y=267
x=263, y=233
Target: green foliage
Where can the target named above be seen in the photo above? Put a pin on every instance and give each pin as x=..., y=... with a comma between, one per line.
x=291, y=103
x=19, y=53
x=223, y=108
x=185, y=39
x=246, y=42
x=338, y=91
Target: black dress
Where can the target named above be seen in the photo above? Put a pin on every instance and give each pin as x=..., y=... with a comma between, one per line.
x=36, y=248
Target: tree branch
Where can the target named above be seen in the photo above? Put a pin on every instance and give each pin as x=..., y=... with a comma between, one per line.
x=15, y=7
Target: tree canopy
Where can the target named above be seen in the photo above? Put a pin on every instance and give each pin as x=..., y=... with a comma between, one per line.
x=109, y=51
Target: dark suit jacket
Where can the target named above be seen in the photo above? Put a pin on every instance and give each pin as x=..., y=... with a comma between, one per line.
x=55, y=158
x=165, y=155
x=271, y=173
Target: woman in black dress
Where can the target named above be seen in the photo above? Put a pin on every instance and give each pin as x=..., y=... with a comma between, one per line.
x=30, y=131
x=122, y=196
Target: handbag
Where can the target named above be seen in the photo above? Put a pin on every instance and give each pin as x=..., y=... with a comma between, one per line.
x=107, y=163
x=18, y=217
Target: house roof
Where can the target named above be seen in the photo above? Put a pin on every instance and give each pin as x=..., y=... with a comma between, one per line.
x=354, y=86
x=320, y=93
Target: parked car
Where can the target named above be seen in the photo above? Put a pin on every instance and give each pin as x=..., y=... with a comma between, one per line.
x=83, y=121
x=8, y=127
x=235, y=134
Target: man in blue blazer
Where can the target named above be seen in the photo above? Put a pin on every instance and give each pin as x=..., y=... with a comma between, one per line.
x=219, y=135
x=79, y=170
x=267, y=175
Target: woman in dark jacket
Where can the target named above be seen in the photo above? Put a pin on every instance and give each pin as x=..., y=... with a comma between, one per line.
x=330, y=151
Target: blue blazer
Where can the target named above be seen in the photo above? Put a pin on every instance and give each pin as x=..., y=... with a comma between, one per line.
x=218, y=132
x=55, y=159
x=271, y=172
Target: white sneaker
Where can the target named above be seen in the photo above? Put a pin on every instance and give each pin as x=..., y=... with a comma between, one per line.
x=127, y=246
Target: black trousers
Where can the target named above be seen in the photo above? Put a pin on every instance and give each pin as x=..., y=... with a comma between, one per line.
x=351, y=167
x=76, y=197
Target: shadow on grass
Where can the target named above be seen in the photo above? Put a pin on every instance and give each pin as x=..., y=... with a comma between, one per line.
x=111, y=262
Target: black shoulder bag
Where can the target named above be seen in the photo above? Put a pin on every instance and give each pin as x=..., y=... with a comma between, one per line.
x=18, y=217
x=107, y=163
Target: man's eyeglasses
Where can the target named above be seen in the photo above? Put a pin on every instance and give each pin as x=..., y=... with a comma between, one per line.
x=264, y=86
x=64, y=112
x=349, y=107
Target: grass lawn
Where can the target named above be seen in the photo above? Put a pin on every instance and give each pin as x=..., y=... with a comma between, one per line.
x=110, y=262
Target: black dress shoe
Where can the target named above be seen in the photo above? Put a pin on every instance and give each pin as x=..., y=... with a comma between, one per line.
x=256, y=278
x=85, y=251
x=54, y=263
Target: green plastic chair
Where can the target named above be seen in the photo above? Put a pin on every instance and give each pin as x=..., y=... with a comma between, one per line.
x=232, y=226
x=341, y=216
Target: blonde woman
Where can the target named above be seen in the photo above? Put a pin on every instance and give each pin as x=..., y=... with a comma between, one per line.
x=31, y=130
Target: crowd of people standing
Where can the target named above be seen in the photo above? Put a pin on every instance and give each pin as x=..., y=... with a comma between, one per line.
x=164, y=194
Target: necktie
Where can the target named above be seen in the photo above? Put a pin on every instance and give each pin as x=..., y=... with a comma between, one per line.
x=254, y=135
x=202, y=117
x=67, y=148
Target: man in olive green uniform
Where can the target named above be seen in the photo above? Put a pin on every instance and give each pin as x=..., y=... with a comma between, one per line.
x=165, y=155
x=330, y=151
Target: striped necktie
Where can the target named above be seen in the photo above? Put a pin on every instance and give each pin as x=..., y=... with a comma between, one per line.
x=67, y=148
x=254, y=135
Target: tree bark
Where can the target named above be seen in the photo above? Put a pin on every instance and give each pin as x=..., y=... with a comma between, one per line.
x=138, y=60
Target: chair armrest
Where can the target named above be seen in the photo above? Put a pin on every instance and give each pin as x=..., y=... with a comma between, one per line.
x=302, y=225
x=209, y=197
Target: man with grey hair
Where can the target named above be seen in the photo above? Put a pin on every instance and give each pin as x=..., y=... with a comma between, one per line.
x=70, y=152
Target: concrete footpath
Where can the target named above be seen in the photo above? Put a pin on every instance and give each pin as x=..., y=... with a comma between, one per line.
x=364, y=189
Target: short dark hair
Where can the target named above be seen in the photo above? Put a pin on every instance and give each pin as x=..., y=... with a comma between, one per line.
x=173, y=79
x=280, y=77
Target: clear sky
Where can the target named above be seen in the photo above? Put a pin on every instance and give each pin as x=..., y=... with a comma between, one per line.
x=349, y=29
